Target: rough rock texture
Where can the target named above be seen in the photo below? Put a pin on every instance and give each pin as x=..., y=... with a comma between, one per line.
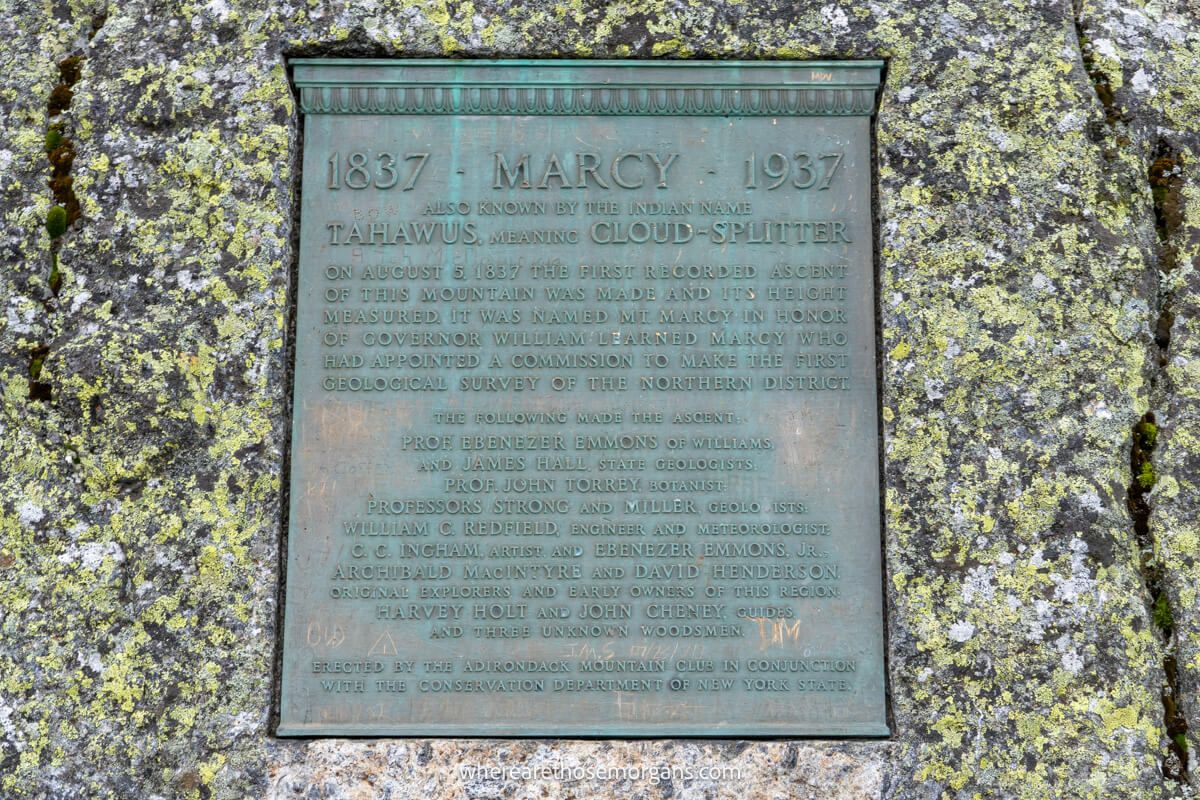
x=417, y=769
x=1151, y=59
x=1025, y=259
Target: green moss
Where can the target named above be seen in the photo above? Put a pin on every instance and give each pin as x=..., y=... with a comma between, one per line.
x=1163, y=617
x=1147, y=435
x=56, y=221
x=55, y=273
x=54, y=138
x=36, y=361
x=1146, y=477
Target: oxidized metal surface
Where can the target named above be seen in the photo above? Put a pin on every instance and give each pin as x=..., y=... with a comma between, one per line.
x=585, y=433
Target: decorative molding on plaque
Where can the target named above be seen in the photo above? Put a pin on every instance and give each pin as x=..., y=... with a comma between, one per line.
x=593, y=100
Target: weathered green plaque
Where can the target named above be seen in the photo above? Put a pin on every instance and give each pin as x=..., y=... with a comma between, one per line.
x=585, y=430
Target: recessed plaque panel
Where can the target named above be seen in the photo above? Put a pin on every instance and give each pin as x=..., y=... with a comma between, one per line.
x=585, y=428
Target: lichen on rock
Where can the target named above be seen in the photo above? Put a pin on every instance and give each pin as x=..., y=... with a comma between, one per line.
x=1019, y=290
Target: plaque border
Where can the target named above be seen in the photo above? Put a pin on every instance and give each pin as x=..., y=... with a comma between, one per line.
x=503, y=87
x=770, y=732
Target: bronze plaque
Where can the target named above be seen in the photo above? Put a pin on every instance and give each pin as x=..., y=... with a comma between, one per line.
x=585, y=435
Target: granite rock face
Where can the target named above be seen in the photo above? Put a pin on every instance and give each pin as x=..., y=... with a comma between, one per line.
x=1038, y=237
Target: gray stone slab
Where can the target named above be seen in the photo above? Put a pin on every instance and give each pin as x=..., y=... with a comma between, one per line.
x=141, y=510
